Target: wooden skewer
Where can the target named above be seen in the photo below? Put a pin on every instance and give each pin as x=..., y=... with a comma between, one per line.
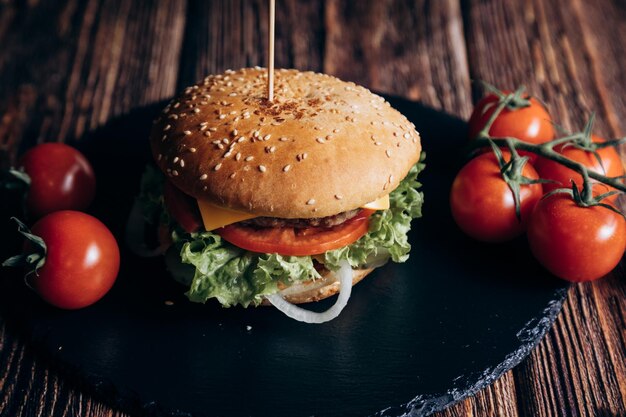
x=270, y=58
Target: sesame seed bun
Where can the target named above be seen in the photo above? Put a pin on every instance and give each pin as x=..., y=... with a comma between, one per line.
x=322, y=147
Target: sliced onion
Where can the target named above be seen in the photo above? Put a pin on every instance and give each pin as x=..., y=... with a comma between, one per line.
x=297, y=313
x=135, y=234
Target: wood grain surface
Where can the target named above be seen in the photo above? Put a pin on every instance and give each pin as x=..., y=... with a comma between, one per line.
x=68, y=67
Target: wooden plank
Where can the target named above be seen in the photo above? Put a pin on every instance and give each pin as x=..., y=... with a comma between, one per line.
x=421, y=55
x=233, y=34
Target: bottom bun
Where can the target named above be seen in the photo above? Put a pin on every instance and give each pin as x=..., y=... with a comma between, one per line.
x=315, y=290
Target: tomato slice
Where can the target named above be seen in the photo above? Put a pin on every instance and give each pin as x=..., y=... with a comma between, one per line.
x=297, y=242
x=182, y=207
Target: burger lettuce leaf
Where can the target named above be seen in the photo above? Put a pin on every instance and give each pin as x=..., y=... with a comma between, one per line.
x=235, y=276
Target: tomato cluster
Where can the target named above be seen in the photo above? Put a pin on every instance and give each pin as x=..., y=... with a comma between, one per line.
x=72, y=258
x=575, y=240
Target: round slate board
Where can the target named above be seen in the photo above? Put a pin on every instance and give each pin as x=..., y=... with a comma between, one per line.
x=414, y=337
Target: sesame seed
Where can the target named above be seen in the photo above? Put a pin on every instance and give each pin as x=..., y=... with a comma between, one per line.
x=220, y=146
x=391, y=178
x=267, y=137
x=182, y=163
x=192, y=150
x=207, y=134
x=204, y=123
x=203, y=177
x=320, y=140
x=159, y=157
x=283, y=139
x=311, y=202
x=203, y=128
x=227, y=154
x=225, y=141
x=167, y=127
x=338, y=196
x=238, y=156
x=216, y=142
x=377, y=143
x=335, y=130
x=255, y=134
x=187, y=132
x=217, y=167
x=163, y=138
x=262, y=168
x=212, y=129
x=286, y=168
x=174, y=173
x=234, y=132
x=388, y=153
x=196, y=110
x=176, y=105
x=249, y=158
x=407, y=135
x=232, y=175
x=232, y=95
x=175, y=159
x=222, y=116
x=241, y=139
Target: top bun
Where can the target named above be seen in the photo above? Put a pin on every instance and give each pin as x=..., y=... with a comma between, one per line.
x=322, y=147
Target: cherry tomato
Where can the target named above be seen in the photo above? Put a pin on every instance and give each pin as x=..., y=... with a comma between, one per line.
x=297, y=242
x=576, y=243
x=61, y=179
x=611, y=167
x=182, y=207
x=82, y=259
x=530, y=124
x=482, y=203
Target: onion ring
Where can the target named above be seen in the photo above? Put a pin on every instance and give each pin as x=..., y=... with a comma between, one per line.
x=344, y=274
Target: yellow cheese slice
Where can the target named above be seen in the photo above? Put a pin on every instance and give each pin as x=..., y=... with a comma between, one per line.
x=381, y=204
x=215, y=217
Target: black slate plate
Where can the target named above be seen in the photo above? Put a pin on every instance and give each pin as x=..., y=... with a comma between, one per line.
x=415, y=337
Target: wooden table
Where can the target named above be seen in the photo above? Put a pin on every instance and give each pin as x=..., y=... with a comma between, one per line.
x=67, y=67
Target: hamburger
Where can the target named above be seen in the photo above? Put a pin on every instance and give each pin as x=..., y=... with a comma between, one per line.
x=282, y=202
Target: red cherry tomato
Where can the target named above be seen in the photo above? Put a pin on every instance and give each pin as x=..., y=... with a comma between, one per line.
x=611, y=167
x=297, y=242
x=530, y=124
x=482, y=203
x=576, y=243
x=61, y=179
x=82, y=259
x=182, y=207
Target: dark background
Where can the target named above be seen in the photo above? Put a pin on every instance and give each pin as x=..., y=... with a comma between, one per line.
x=68, y=67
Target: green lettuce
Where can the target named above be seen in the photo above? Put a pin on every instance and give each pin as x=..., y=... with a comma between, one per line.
x=235, y=276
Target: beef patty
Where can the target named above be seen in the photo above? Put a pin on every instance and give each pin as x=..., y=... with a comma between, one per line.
x=327, y=221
